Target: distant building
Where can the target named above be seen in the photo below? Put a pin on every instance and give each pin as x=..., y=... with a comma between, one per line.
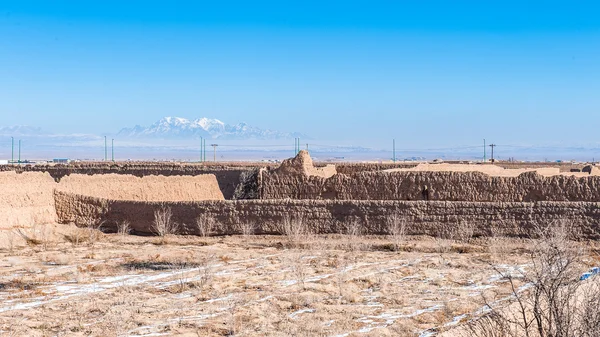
x=60, y=161
x=3, y=162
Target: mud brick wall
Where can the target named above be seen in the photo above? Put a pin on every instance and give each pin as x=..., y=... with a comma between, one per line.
x=228, y=175
x=446, y=186
x=332, y=216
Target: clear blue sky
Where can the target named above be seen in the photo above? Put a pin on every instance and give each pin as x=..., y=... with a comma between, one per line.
x=425, y=72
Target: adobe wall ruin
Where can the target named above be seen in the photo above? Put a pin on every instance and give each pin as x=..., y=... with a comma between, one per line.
x=332, y=216
x=228, y=175
x=441, y=185
x=26, y=199
x=148, y=188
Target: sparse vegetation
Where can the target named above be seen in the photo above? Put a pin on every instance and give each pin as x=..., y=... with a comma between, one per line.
x=247, y=228
x=548, y=298
x=296, y=230
x=205, y=225
x=255, y=286
x=163, y=224
x=124, y=227
x=397, y=231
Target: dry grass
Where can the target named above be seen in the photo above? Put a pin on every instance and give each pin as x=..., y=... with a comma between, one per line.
x=253, y=286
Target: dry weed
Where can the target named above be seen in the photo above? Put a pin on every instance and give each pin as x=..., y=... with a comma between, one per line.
x=205, y=225
x=297, y=264
x=247, y=228
x=163, y=224
x=397, y=231
x=464, y=231
x=124, y=228
x=354, y=231
x=296, y=230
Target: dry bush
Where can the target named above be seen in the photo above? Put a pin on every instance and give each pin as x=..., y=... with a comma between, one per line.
x=205, y=225
x=93, y=226
x=299, y=269
x=124, y=227
x=444, y=239
x=247, y=228
x=463, y=231
x=397, y=231
x=206, y=273
x=354, y=231
x=548, y=299
x=35, y=236
x=77, y=236
x=496, y=244
x=295, y=229
x=163, y=223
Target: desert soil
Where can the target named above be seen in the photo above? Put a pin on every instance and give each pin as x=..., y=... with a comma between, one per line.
x=79, y=282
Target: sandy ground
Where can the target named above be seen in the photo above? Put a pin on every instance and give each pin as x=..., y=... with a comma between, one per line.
x=77, y=282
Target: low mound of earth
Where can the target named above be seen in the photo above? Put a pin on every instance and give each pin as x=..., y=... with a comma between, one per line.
x=148, y=188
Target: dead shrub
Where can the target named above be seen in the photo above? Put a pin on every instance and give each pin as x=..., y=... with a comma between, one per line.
x=93, y=226
x=163, y=224
x=354, y=231
x=124, y=227
x=295, y=229
x=397, y=231
x=77, y=236
x=547, y=299
x=205, y=225
x=247, y=228
x=463, y=231
x=299, y=269
x=35, y=236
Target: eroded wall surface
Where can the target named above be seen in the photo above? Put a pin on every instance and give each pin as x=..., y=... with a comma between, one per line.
x=447, y=186
x=333, y=216
x=228, y=175
x=148, y=188
x=26, y=199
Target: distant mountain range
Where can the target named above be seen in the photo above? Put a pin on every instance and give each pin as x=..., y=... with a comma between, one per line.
x=21, y=130
x=181, y=128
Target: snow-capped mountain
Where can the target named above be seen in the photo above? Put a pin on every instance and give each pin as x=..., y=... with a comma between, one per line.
x=176, y=127
x=21, y=130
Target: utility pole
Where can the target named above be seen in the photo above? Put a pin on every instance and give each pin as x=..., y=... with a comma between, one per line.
x=113, y=150
x=19, y=151
x=204, y=146
x=306, y=146
x=105, y=150
x=201, y=149
x=12, y=146
x=214, y=151
x=484, y=151
x=492, y=146
x=394, y=150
